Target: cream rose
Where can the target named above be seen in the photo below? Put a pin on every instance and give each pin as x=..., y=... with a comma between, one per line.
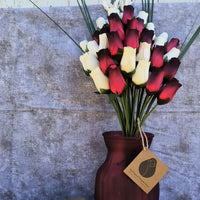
x=100, y=80
x=141, y=75
x=128, y=59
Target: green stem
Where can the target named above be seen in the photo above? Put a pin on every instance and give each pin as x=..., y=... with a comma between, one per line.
x=57, y=25
x=89, y=16
x=146, y=115
x=153, y=98
x=128, y=110
x=134, y=98
x=145, y=103
x=152, y=8
x=119, y=113
x=148, y=6
x=126, y=114
x=189, y=43
x=85, y=18
x=140, y=102
x=142, y=4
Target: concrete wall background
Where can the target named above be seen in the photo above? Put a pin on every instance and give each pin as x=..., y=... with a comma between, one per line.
x=51, y=121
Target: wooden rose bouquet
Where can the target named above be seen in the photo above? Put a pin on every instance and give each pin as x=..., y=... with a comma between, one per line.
x=131, y=65
x=129, y=62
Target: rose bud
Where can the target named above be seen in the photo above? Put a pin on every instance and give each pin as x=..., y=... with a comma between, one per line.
x=157, y=56
x=95, y=36
x=150, y=26
x=116, y=25
x=168, y=91
x=140, y=25
x=83, y=45
x=105, y=29
x=93, y=47
x=127, y=14
x=89, y=62
x=132, y=24
x=114, y=42
x=116, y=81
x=141, y=75
x=147, y=35
x=174, y=42
x=103, y=41
x=171, y=68
x=100, y=80
x=132, y=38
x=161, y=39
x=128, y=60
x=144, y=51
x=143, y=15
x=173, y=53
x=100, y=22
x=155, y=81
x=105, y=60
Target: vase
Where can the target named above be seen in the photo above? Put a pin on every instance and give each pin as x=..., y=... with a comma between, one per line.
x=111, y=182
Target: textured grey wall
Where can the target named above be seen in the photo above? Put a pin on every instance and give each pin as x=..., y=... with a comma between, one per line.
x=51, y=121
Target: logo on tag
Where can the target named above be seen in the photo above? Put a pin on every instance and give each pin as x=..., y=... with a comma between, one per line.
x=148, y=167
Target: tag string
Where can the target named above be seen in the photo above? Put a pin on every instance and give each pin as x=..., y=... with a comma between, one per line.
x=143, y=135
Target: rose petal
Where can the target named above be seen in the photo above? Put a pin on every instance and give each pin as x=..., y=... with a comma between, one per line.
x=89, y=61
x=105, y=61
x=141, y=74
x=100, y=22
x=174, y=42
x=93, y=47
x=128, y=60
x=103, y=41
x=168, y=91
x=128, y=13
x=116, y=25
x=140, y=25
x=132, y=24
x=100, y=80
x=105, y=29
x=147, y=36
x=114, y=42
x=143, y=15
x=161, y=39
x=144, y=51
x=155, y=81
x=95, y=36
x=173, y=53
x=83, y=45
x=116, y=81
x=171, y=68
x=132, y=39
x=157, y=56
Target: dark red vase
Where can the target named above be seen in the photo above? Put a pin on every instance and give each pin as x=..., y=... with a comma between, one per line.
x=111, y=182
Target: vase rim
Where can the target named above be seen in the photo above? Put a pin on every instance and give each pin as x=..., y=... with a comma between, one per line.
x=118, y=135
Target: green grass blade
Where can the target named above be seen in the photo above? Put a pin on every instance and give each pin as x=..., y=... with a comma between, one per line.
x=85, y=18
x=57, y=25
x=148, y=8
x=89, y=16
x=152, y=8
x=189, y=43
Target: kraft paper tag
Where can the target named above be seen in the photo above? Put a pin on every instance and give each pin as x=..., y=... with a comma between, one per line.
x=146, y=170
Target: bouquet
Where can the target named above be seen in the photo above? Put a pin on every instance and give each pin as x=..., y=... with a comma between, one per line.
x=128, y=62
